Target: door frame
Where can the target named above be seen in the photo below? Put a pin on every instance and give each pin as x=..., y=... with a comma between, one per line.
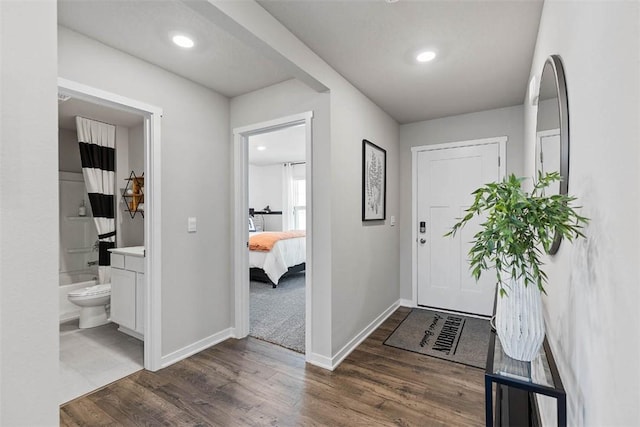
x=502, y=165
x=152, y=224
x=539, y=135
x=241, y=219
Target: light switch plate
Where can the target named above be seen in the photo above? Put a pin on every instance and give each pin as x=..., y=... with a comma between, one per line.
x=393, y=220
x=191, y=224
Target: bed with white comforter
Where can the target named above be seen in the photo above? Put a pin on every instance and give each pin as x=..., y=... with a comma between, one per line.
x=283, y=255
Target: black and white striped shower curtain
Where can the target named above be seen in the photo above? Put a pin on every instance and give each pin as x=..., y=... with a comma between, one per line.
x=97, y=153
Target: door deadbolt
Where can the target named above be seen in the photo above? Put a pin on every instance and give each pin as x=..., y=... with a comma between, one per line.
x=423, y=241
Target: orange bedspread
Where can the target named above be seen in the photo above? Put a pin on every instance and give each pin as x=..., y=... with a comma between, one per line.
x=264, y=242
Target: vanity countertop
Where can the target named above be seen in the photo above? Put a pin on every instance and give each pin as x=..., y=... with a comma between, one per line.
x=130, y=251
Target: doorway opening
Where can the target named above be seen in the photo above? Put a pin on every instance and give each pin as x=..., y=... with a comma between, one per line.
x=273, y=231
x=116, y=136
x=277, y=210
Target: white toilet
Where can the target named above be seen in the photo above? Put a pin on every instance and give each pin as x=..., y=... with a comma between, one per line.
x=92, y=302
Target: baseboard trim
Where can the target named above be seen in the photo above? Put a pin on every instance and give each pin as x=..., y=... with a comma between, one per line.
x=319, y=360
x=358, y=339
x=406, y=303
x=196, y=347
x=131, y=332
x=459, y=313
x=70, y=316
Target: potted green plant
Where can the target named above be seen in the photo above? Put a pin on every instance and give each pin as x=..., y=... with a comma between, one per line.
x=518, y=227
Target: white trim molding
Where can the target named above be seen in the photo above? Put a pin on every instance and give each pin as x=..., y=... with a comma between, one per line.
x=502, y=171
x=539, y=135
x=152, y=224
x=406, y=303
x=240, y=222
x=458, y=144
x=196, y=347
x=320, y=361
x=360, y=337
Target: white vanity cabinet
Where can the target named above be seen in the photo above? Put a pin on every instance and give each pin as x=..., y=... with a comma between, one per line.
x=123, y=297
x=128, y=290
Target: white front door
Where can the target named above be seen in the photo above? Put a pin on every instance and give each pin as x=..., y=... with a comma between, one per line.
x=446, y=177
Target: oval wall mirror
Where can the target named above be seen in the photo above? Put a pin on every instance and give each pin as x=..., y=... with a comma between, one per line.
x=552, y=129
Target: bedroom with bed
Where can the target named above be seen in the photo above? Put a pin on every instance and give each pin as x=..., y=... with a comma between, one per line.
x=277, y=238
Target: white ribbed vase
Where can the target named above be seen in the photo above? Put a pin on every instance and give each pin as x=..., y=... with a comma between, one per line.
x=519, y=321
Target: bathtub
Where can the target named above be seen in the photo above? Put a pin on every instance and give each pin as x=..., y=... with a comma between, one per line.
x=71, y=281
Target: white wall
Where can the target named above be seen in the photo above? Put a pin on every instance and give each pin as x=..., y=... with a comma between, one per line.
x=365, y=256
x=593, y=295
x=122, y=171
x=195, y=182
x=68, y=151
x=28, y=230
x=136, y=148
x=484, y=124
x=265, y=187
x=548, y=118
x=130, y=158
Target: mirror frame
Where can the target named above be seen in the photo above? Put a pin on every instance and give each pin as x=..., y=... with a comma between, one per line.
x=563, y=110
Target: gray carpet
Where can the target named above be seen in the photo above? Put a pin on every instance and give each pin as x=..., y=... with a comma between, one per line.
x=446, y=336
x=277, y=315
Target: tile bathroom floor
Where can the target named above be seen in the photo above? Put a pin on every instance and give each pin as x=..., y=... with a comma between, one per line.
x=92, y=358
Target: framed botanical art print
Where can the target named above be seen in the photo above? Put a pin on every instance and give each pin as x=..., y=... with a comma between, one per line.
x=374, y=182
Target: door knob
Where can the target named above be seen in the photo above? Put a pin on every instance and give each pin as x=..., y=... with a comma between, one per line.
x=423, y=241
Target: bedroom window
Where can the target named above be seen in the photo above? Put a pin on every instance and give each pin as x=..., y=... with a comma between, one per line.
x=299, y=204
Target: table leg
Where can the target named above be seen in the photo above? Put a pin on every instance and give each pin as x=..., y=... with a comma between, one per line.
x=488, y=398
x=562, y=411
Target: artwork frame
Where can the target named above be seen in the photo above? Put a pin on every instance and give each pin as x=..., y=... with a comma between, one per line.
x=374, y=182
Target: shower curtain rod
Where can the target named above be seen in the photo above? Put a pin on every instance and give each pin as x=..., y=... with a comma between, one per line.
x=99, y=121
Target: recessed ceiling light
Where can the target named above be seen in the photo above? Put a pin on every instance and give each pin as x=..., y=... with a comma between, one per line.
x=426, y=56
x=183, y=41
x=261, y=148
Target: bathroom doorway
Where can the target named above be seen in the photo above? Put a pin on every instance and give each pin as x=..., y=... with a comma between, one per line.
x=97, y=344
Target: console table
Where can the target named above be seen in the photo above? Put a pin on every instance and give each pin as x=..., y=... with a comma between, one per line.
x=519, y=381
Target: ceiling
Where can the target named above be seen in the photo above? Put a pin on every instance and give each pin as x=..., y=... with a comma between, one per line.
x=484, y=47
x=68, y=110
x=484, y=50
x=141, y=28
x=282, y=145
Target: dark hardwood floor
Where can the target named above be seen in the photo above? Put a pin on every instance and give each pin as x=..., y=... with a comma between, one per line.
x=250, y=382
